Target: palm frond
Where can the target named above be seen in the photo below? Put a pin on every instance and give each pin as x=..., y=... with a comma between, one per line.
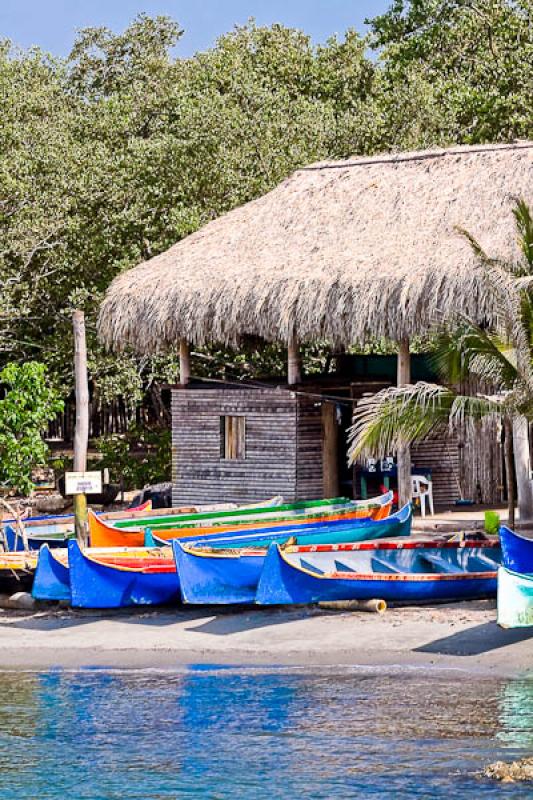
x=397, y=417
x=524, y=225
x=516, y=314
x=463, y=348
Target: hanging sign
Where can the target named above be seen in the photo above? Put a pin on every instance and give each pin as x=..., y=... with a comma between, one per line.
x=83, y=483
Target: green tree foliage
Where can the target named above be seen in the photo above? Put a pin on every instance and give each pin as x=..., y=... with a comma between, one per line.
x=140, y=458
x=112, y=155
x=470, y=64
x=28, y=404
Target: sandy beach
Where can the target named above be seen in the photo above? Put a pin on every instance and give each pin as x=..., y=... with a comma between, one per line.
x=460, y=636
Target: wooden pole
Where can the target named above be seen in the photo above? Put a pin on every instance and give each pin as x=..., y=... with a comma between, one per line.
x=405, y=487
x=522, y=464
x=509, y=472
x=294, y=364
x=81, y=433
x=330, y=450
x=185, y=362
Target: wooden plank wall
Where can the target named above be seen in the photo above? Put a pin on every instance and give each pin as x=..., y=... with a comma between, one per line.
x=481, y=463
x=199, y=475
x=467, y=463
x=309, y=465
x=440, y=455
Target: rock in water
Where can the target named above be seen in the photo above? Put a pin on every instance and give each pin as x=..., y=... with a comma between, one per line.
x=509, y=772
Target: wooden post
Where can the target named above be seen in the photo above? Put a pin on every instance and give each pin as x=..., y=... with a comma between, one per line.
x=509, y=471
x=522, y=464
x=185, y=362
x=294, y=364
x=81, y=433
x=330, y=450
x=405, y=487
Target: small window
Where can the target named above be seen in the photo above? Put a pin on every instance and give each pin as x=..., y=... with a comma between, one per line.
x=232, y=437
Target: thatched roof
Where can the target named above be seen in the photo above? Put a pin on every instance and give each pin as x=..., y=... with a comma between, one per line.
x=339, y=251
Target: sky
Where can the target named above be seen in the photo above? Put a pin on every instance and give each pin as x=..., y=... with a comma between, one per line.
x=51, y=24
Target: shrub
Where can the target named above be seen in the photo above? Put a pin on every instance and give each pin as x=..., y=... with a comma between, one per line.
x=138, y=458
x=27, y=406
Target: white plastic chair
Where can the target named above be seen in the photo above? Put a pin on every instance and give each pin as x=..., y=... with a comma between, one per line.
x=423, y=490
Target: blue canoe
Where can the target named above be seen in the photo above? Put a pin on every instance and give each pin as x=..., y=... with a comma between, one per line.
x=221, y=574
x=52, y=579
x=15, y=544
x=97, y=585
x=321, y=532
x=515, y=599
x=517, y=551
x=411, y=573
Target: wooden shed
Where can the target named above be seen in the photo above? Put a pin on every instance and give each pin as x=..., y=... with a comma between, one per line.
x=244, y=444
x=343, y=252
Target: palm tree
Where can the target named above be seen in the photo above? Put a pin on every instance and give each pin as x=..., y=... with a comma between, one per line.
x=498, y=354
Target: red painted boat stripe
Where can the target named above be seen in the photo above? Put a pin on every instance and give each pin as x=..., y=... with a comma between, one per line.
x=461, y=576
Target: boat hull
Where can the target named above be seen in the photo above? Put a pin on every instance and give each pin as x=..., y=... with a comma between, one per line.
x=284, y=583
x=95, y=584
x=52, y=577
x=17, y=571
x=515, y=599
x=220, y=577
x=517, y=551
x=56, y=530
x=212, y=580
x=326, y=530
x=56, y=536
x=204, y=526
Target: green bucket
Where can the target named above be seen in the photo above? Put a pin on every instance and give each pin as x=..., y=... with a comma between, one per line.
x=492, y=523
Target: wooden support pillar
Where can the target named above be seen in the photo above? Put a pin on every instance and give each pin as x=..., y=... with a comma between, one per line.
x=330, y=450
x=405, y=488
x=522, y=464
x=294, y=364
x=509, y=471
x=81, y=433
x=185, y=362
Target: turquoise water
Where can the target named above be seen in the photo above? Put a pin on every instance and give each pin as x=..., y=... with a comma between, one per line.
x=222, y=733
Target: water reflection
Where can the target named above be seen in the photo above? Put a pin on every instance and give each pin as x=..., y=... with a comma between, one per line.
x=225, y=733
x=515, y=704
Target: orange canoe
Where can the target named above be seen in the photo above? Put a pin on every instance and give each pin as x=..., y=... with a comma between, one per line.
x=104, y=535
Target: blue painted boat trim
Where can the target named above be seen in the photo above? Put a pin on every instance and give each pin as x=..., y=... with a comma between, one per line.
x=14, y=543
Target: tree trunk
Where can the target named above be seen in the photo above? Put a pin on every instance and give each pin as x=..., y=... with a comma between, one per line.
x=330, y=450
x=405, y=485
x=185, y=363
x=294, y=364
x=509, y=471
x=522, y=462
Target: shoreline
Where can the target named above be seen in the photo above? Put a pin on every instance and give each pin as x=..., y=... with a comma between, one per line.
x=461, y=636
